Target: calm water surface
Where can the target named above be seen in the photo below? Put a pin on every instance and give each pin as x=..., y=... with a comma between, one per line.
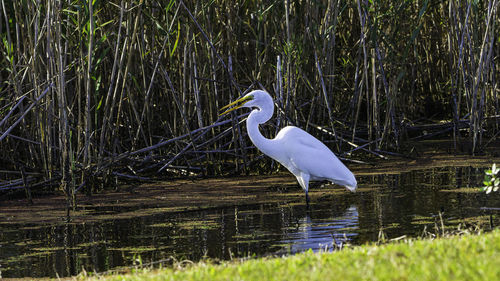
x=402, y=204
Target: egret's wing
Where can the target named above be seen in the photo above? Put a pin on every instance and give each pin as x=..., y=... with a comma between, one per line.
x=313, y=157
x=309, y=155
x=301, y=153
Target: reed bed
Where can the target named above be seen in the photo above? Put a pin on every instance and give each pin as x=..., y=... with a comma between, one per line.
x=93, y=92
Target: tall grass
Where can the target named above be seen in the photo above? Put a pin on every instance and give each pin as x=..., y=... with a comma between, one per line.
x=94, y=91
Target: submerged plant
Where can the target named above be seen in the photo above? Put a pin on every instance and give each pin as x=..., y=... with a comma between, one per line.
x=491, y=179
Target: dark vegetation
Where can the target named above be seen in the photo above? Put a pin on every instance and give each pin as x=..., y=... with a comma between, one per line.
x=92, y=94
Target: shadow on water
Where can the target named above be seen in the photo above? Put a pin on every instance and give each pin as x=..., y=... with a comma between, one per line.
x=397, y=204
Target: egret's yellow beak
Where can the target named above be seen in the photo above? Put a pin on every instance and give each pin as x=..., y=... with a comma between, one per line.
x=239, y=103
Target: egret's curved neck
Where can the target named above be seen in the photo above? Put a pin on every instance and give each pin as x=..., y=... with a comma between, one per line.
x=256, y=117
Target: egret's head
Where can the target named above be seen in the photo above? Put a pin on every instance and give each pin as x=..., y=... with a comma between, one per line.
x=255, y=98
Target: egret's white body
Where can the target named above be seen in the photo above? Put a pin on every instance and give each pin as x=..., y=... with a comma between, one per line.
x=306, y=157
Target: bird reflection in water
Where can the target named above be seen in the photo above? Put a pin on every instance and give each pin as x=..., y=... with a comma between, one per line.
x=322, y=235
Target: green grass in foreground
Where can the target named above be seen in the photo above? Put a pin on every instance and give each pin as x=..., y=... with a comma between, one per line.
x=467, y=257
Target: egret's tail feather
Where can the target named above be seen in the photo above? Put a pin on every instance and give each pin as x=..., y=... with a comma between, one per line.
x=351, y=188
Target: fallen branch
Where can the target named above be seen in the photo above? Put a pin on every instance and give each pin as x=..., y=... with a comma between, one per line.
x=112, y=160
x=6, y=133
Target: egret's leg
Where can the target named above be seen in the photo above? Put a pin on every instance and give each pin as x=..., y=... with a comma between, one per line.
x=303, y=180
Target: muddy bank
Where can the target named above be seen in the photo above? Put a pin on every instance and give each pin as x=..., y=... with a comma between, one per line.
x=188, y=195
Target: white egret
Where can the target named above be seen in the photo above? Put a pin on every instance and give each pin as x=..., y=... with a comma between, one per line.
x=303, y=155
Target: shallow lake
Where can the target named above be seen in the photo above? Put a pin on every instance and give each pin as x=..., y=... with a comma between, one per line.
x=406, y=203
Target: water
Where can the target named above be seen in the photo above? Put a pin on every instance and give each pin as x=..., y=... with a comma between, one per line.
x=399, y=204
